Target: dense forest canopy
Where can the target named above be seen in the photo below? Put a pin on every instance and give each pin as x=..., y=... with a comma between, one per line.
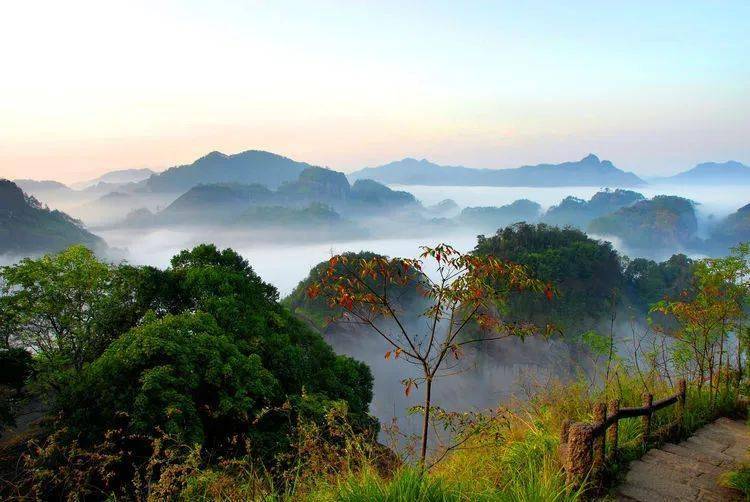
x=201, y=351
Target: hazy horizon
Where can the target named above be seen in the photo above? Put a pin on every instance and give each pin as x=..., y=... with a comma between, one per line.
x=157, y=169
x=92, y=87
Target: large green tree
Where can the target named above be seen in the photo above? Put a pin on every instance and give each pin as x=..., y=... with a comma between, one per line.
x=586, y=272
x=202, y=350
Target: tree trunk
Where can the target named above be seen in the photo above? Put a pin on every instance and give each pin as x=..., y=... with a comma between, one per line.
x=425, y=421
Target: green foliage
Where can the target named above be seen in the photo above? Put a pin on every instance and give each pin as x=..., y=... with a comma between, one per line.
x=201, y=351
x=407, y=484
x=649, y=281
x=316, y=309
x=584, y=271
x=738, y=479
x=181, y=374
x=69, y=307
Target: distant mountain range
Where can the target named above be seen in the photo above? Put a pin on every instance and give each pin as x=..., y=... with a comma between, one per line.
x=711, y=173
x=589, y=171
x=35, y=187
x=272, y=171
x=117, y=177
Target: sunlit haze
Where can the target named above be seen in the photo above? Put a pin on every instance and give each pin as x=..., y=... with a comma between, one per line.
x=656, y=87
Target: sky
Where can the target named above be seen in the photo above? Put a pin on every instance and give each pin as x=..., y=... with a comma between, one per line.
x=656, y=87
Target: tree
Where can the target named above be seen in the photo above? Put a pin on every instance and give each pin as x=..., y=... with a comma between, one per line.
x=584, y=271
x=68, y=307
x=55, y=300
x=181, y=374
x=706, y=316
x=469, y=291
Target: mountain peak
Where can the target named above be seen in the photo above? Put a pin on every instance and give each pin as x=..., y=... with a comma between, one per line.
x=11, y=196
x=215, y=155
x=591, y=158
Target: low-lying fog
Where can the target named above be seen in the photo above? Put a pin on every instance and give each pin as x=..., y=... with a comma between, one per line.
x=283, y=265
x=285, y=262
x=719, y=200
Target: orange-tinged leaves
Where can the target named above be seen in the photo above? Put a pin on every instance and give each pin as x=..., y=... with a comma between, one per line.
x=548, y=292
x=347, y=301
x=313, y=291
x=388, y=355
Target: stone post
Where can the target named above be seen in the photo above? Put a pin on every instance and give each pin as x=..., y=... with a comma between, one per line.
x=578, y=463
x=613, y=409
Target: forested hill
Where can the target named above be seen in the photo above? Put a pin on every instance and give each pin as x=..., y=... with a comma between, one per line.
x=26, y=227
x=589, y=171
x=252, y=166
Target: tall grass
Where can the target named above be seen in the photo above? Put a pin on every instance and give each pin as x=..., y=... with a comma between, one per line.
x=515, y=457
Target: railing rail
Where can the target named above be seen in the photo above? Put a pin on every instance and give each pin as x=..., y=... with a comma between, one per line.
x=584, y=444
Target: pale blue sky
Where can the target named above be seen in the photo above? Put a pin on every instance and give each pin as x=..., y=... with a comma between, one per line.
x=654, y=86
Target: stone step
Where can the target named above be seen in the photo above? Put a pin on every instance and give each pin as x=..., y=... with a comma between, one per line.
x=689, y=470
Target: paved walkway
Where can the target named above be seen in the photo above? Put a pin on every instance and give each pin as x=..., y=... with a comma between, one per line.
x=689, y=470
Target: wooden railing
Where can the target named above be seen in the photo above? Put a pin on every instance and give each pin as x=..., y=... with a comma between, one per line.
x=584, y=444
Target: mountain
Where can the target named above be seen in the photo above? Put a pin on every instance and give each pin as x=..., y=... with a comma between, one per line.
x=665, y=221
x=118, y=177
x=734, y=229
x=493, y=218
x=576, y=212
x=316, y=187
x=712, y=173
x=43, y=187
x=316, y=184
x=252, y=166
x=316, y=214
x=26, y=227
x=205, y=202
x=589, y=171
x=446, y=208
x=371, y=196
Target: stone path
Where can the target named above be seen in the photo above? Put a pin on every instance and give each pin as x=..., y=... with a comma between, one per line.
x=689, y=470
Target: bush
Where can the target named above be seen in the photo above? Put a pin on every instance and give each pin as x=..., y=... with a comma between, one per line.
x=180, y=374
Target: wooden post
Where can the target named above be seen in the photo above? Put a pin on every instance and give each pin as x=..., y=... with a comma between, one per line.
x=681, y=398
x=612, y=409
x=600, y=416
x=648, y=400
x=578, y=463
